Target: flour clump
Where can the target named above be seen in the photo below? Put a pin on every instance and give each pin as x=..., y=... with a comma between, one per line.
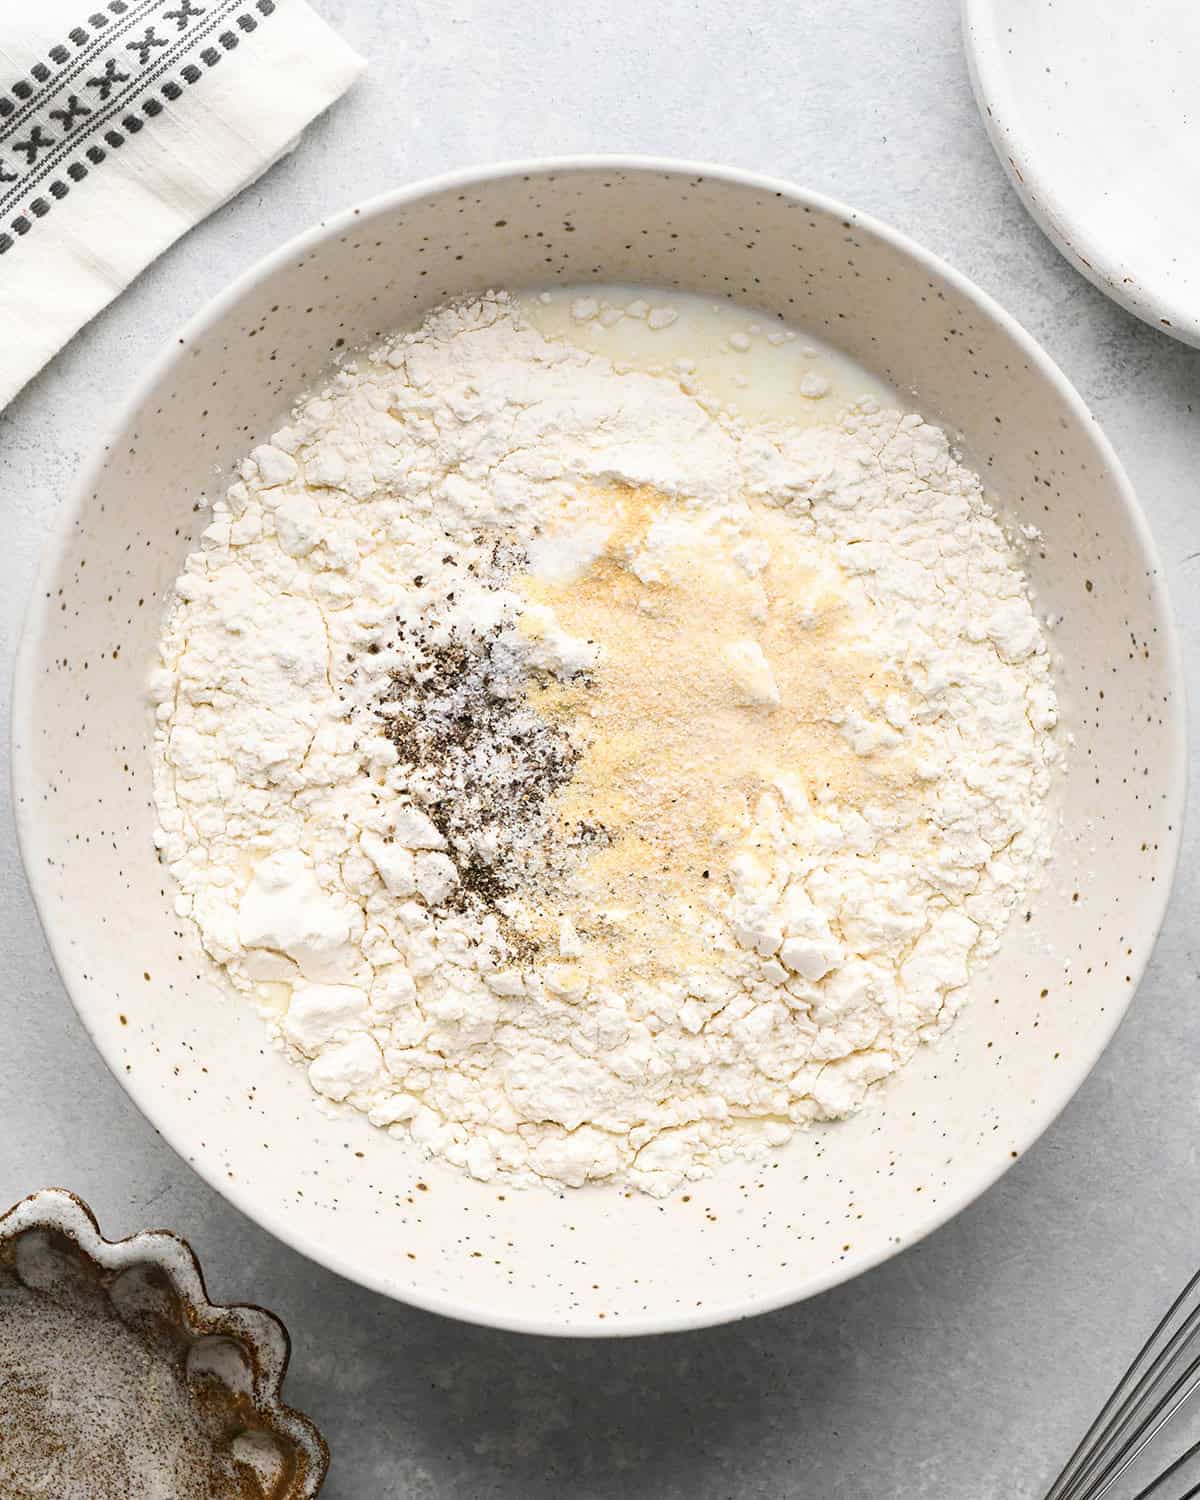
x=588, y=784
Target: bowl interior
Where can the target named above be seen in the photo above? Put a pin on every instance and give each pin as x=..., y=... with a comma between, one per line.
x=197, y=1059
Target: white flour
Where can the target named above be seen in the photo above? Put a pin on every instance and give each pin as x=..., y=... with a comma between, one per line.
x=587, y=784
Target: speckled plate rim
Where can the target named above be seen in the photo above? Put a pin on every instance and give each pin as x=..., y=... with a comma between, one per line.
x=1019, y=157
x=274, y=1221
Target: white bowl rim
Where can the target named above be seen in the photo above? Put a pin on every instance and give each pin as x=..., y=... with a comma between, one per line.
x=1002, y=121
x=274, y=1221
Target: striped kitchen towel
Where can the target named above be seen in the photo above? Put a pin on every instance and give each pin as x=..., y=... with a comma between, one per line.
x=125, y=122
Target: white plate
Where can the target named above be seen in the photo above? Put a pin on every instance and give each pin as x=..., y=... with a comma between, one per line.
x=196, y=1057
x=1094, y=112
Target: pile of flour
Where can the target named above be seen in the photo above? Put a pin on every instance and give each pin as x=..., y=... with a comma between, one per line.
x=363, y=751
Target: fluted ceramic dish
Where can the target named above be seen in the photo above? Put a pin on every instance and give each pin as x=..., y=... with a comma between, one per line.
x=119, y=1378
x=197, y=1059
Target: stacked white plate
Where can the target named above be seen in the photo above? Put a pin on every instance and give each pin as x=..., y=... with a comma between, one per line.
x=1094, y=113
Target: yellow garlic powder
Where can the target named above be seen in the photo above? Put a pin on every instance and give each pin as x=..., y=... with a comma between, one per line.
x=729, y=656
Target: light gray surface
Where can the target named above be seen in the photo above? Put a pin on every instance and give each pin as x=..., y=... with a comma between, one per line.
x=966, y=1367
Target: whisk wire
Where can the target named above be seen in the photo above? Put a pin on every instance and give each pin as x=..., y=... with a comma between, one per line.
x=1156, y=1489
x=1152, y=1423
x=1135, y=1412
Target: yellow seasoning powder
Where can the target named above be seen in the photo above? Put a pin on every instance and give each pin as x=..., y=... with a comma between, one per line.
x=729, y=655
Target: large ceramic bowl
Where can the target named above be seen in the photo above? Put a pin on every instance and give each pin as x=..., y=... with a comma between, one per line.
x=196, y=1058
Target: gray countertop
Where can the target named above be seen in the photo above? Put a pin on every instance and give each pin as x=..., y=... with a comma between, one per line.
x=965, y=1367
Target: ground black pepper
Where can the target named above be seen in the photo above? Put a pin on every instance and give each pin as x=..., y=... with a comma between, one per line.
x=484, y=765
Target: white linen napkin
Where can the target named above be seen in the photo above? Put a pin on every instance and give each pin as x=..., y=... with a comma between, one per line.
x=125, y=122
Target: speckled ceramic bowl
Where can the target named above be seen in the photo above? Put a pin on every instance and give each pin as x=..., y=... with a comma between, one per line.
x=196, y=1058
x=122, y=1379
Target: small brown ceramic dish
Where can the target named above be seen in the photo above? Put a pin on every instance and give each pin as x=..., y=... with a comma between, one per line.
x=119, y=1378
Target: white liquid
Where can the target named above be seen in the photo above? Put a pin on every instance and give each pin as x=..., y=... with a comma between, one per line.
x=757, y=366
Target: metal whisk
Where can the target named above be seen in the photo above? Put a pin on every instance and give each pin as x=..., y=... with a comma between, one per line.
x=1165, y=1373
